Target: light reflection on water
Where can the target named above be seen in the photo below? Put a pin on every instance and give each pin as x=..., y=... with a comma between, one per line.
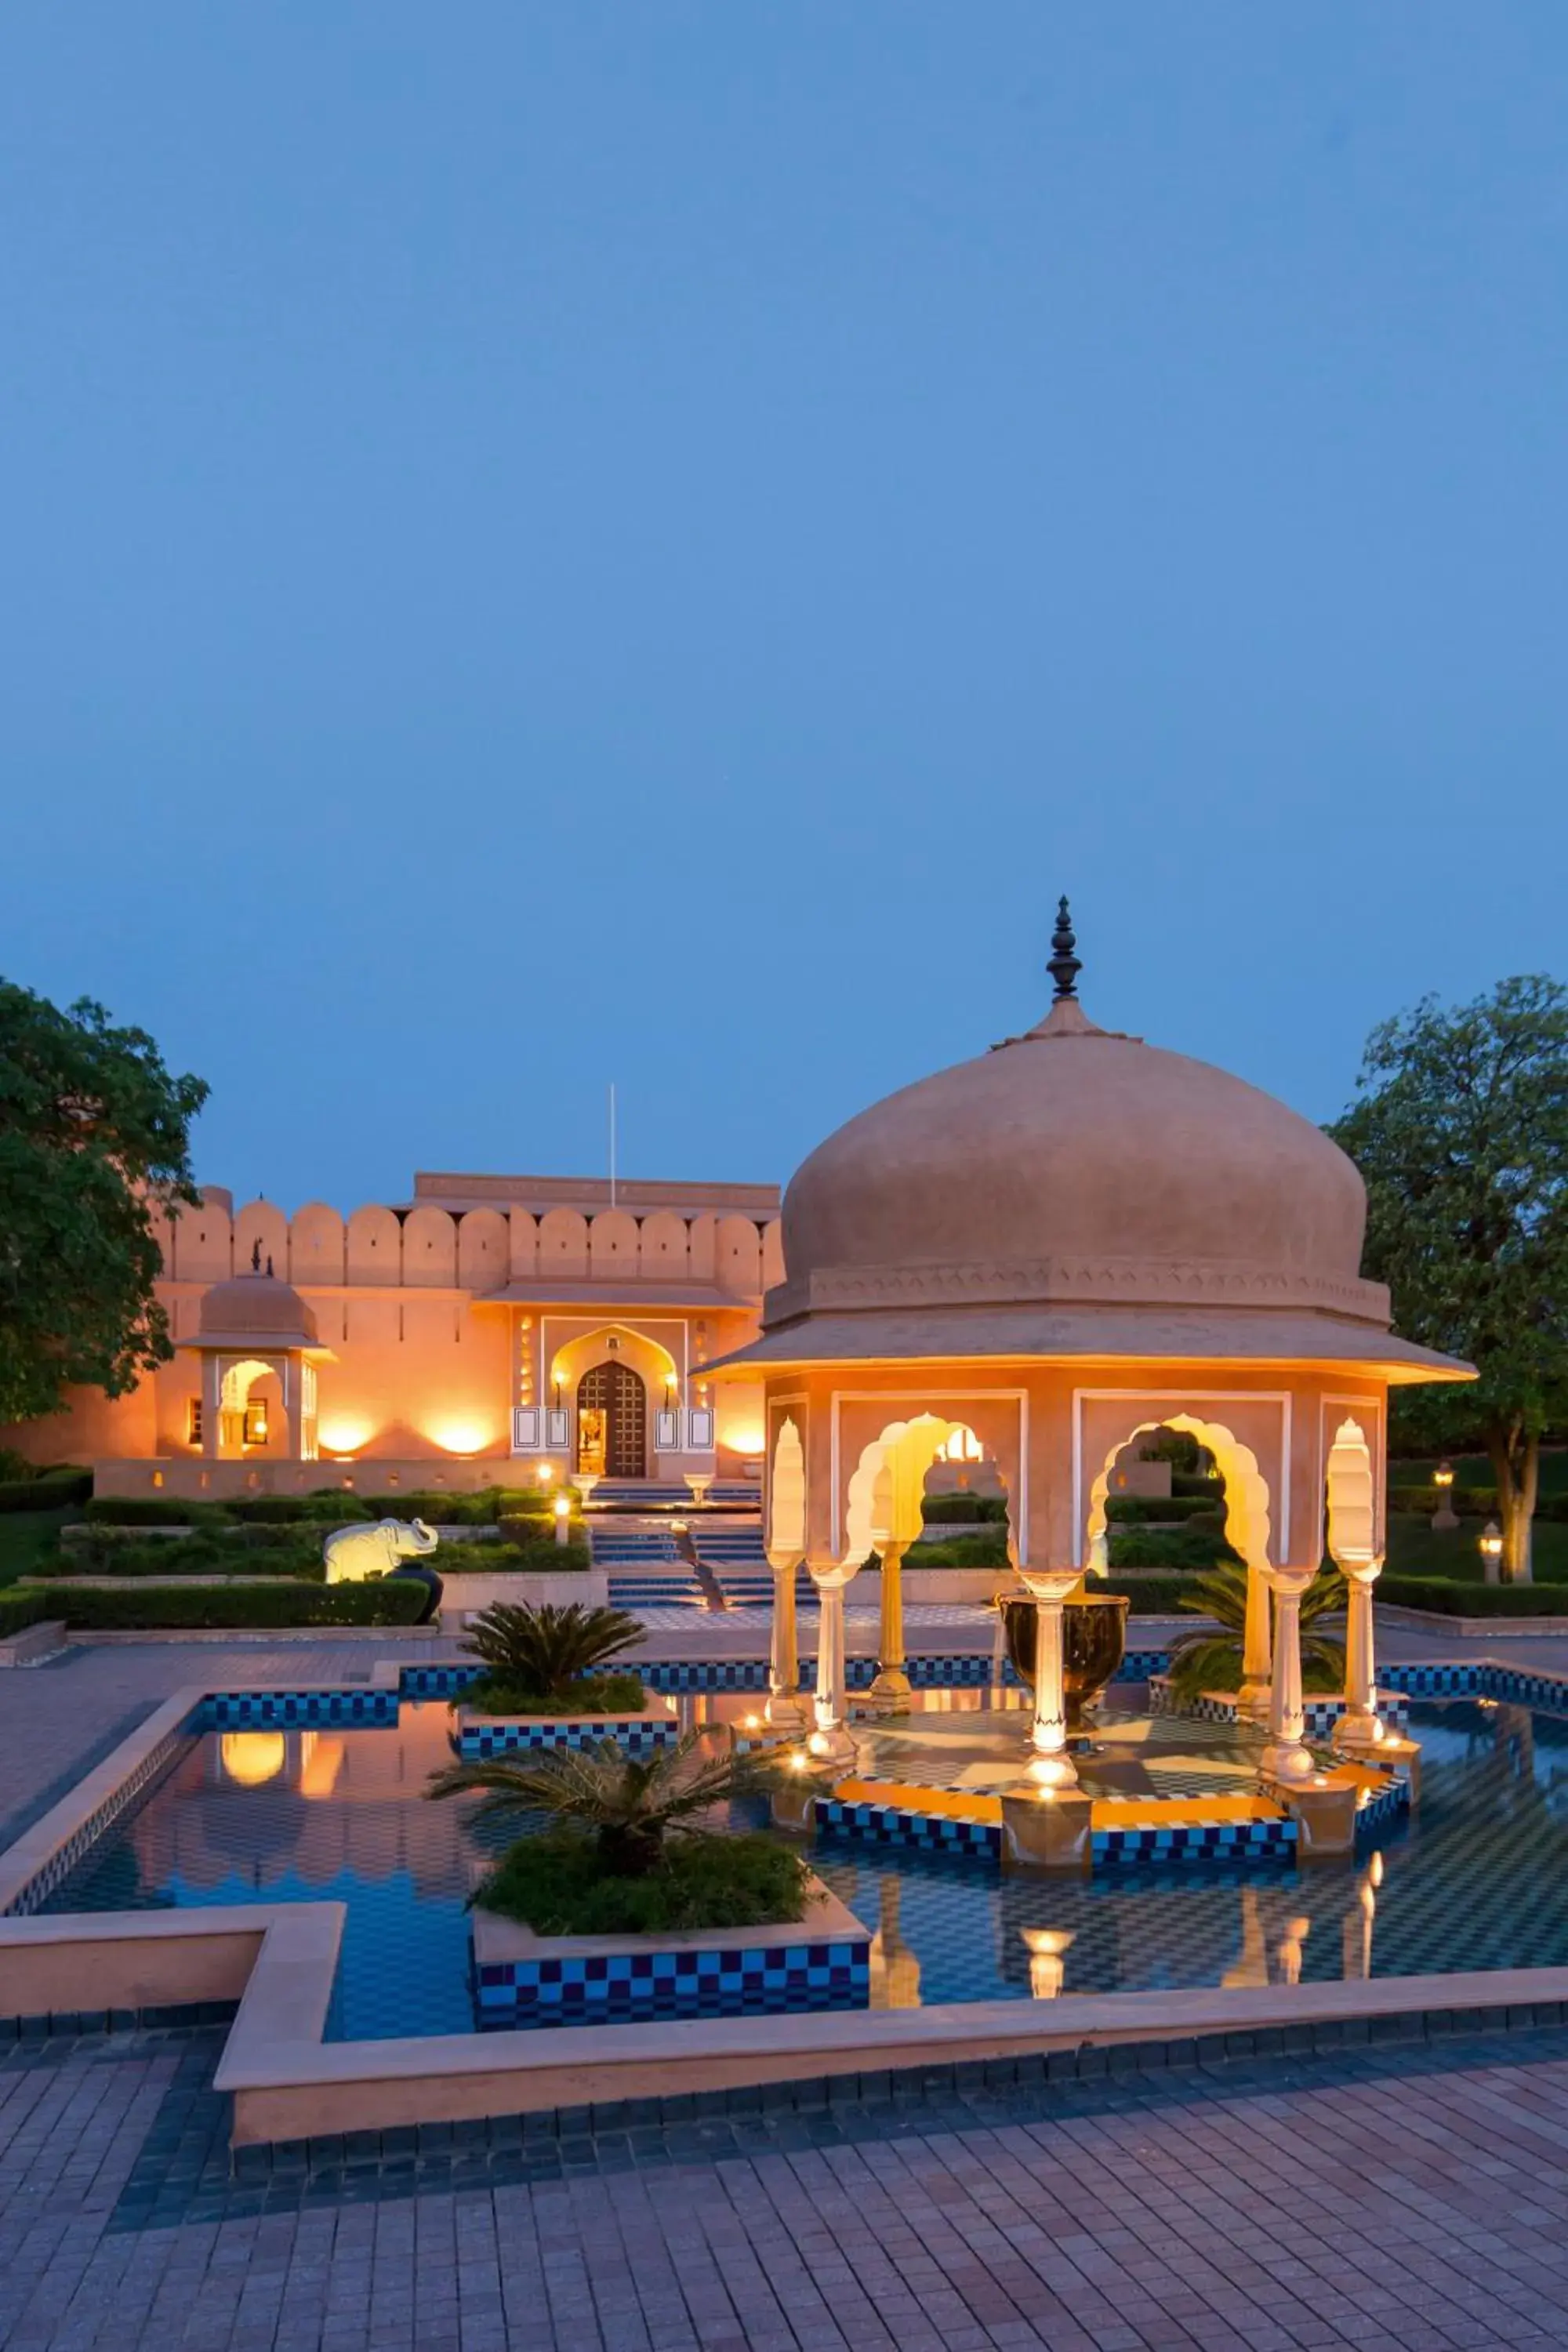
x=1479, y=1879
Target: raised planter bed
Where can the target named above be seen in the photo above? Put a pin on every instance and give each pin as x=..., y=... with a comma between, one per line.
x=820, y=1962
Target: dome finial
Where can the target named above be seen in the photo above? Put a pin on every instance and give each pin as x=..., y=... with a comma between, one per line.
x=1064, y=966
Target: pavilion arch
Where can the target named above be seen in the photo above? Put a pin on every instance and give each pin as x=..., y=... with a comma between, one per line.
x=234, y=1394
x=1351, y=1498
x=884, y=1506
x=786, y=1494
x=646, y=1357
x=1246, y=1519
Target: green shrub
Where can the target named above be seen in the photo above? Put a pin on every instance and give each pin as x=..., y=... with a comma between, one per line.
x=241, y=1552
x=590, y=1694
x=154, y=1511
x=540, y=1556
x=1200, y=1545
x=1138, y=1510
x=50, y=1490
x=986, y=1550
x=325, y=1508
x=957, y=1510
x=20, y=1609
x=478, y=1510
x=558, y=1886
x=1449, y=1598
x=175, y=1607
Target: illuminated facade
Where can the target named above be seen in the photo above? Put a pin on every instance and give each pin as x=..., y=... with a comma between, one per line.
x=486, y=1326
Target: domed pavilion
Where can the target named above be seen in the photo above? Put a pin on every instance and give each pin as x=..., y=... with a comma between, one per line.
x=259, y=1346
x=1073, y=1239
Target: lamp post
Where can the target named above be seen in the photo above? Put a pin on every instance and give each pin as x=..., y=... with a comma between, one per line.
x=563, y=1508
x=1445, y=1516
x=1491, y=1551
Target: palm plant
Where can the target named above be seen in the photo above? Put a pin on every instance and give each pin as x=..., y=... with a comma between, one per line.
x=548, y=1649
x=1208, y=1660
x=629, y=1803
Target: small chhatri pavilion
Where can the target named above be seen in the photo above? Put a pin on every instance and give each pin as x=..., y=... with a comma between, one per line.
x=1072, y=1239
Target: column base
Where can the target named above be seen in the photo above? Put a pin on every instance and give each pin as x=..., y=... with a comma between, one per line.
x=891, y=1693
x=1359, y=1732
x=1287, y=1761
x=787, y=1714
x=1401, y=1754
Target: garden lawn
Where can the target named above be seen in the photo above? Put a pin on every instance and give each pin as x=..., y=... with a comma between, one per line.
x=1416, y=1548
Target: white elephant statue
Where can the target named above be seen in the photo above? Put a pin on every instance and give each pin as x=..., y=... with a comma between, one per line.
x=359, y=1551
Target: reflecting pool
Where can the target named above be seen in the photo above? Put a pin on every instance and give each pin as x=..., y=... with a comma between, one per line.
x=1477, y=1880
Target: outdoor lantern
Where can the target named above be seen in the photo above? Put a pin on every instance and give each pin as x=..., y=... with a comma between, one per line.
x=1492, y=1548
x=563, y=1507
x=1445, y=1515
x=1443, y=1476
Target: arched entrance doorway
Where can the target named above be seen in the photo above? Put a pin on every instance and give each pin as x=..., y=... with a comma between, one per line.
x=612, y=1421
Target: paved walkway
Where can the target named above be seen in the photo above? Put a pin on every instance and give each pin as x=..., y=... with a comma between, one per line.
x=1415, y=2199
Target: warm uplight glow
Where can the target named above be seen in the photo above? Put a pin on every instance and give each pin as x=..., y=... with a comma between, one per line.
x=752, y=1722
x=546, y=1471
x=1443, y=1476
x=460, y=1436
x=961, y=1446
x=1491, y=1540
x=321, y=1761
x=1052, y=1772
x=343, y=1434
x=746, y=1439
x=1048, y=1948
x=797, y=1760
x=563, y=1507
x=250, y=1758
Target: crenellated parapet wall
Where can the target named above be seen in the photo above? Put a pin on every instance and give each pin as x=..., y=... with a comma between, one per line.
x=479, y=1250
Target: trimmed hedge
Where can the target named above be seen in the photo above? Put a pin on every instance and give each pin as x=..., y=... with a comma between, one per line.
x=540, y=1556
x=986, y=1550
x=154, y=1511
x=325, y=1508
x=1469, y=1502
x=1151, y=1596
x=20, y=1609
x=1447, y=1597
x=958, y=1510
x=52, y=1490
x=1198, y=1546
x=174, y=1608
x=1138, y=1510
x=246, y=1551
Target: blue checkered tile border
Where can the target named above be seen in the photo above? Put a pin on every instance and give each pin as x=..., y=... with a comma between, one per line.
x=895, y=1826
x=621, y=1986
x=1321, y=1713
x=1389, y=1805
x=509, y=1739
x=670, y=1674
x=435, y=1681
x=224, y=1710
x=152, y=1767
x=1194, y=1841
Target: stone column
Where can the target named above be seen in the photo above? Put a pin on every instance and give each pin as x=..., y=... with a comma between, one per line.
x=1052, y=1766
x=1286, y=1756
x=891, y=1691
x=1257, y=1655
x=1360, y=1727
x=831, y=1741
x=785, y=1710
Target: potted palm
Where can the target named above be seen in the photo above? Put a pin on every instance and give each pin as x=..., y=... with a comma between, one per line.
x=1211, y=1660
x=614, y=1842
x=544, y=1659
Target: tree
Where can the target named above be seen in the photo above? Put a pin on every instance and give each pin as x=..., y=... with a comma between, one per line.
x=1460, y=1130
x=94, y=1138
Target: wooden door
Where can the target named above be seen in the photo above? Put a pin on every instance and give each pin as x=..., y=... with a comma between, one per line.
x=617, y=1393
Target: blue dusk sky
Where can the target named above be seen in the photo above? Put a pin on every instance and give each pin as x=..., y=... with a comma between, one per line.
x=546, y=544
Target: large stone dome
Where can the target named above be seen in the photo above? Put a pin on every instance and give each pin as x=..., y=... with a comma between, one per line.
x=1074, y=1164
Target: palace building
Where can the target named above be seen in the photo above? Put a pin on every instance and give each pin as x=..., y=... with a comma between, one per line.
x=485, y=1328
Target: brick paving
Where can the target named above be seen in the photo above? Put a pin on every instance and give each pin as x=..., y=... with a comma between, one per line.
x=1415, y=2199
